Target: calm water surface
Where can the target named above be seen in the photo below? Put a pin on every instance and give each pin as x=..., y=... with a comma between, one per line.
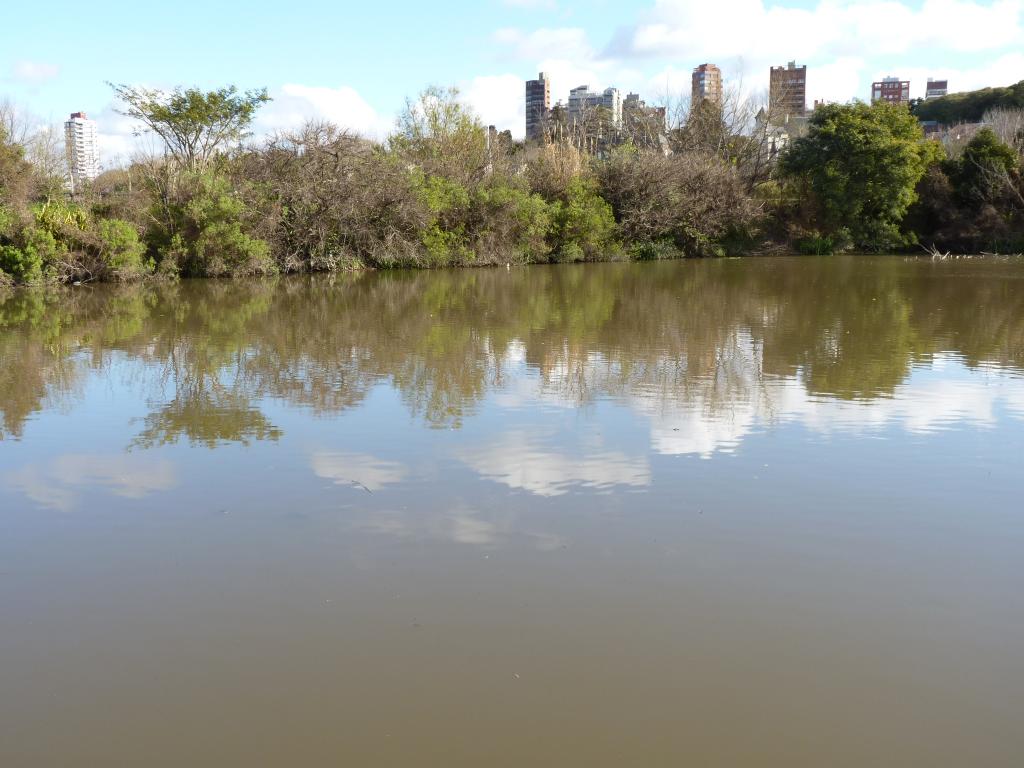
x=756, y=512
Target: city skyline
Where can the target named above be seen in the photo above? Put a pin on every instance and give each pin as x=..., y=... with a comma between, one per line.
x=360, y=75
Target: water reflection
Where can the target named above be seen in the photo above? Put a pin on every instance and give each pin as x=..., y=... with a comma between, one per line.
x=588, y=503
x=518, y=460
x=58, y=483
x=705, y=350
x=357, y=470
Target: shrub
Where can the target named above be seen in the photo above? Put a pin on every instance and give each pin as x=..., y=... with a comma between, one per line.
x=692, y=201
x=122, y=253
x=983, y=171
x=551, y=168
x=449, y=202
x=203, y=232
x=513, y=224
x=57, y=216
x=582, y=225
x=22, y=265
x=7, y=223
x=815, y=243
x=655, y=250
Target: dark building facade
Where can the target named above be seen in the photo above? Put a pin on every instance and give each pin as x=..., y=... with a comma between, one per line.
x=538, y=106
x=936, y=89
x=892, y=90
x=787, y=93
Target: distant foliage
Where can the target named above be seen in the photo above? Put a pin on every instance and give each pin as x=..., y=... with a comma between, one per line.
x=971, y=106
x=974, y=201
x=979, y=174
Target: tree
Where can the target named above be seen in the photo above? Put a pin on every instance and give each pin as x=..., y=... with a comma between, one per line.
x=984, y=171
x=193, y=125
x=442, y=136
x=858, y=168
x=687, y=202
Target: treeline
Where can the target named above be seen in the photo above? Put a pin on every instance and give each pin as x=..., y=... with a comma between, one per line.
x=443, y=190
x=970, y=106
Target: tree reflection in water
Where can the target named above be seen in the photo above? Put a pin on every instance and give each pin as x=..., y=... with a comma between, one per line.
x=674, y=337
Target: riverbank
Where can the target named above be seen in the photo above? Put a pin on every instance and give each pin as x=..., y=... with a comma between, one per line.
x=444, y=191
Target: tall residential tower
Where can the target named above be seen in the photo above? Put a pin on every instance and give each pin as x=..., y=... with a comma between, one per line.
x=706, y=85
x=787, y=94
x=82, y=150
x=538, y=105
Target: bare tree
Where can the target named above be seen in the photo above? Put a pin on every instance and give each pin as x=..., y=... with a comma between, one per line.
x=42, y=145
x=1008, y=126
x=746, y=130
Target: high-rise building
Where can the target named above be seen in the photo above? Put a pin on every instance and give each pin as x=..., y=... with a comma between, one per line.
x=82, y=148
x=706, y=85
x=583, y=102
x=936, y=89
x=643, y=124
x=787, y=94
x=892, y=90
x=538, y=105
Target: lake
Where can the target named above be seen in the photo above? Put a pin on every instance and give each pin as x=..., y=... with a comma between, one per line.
x=713, y=513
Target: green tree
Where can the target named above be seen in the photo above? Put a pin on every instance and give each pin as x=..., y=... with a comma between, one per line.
x=441, y=135
x=583, y=224
x=983, y=171
x=195, y=126
x=122, y=253
x=207, y=236
x=858, y=167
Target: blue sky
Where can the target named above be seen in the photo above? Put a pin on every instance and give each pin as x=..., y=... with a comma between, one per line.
x=355, y=62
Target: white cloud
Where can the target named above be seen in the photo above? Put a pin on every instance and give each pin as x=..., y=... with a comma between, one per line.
x=498, y=100
x=34, y=72
x=517, y=461
x=748, y=27
x=701, y=426
x=293, y=104
x=357, y=470
x=569, y=43
x=58, y=485
x=1005, y=70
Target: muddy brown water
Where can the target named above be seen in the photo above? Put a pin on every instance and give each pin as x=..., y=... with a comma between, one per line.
x=723, y=513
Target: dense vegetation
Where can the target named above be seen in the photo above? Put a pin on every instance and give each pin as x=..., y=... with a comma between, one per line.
x=443, y=190
x=970, y=106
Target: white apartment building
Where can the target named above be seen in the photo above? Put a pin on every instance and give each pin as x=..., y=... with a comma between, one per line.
x=83, y=150
x=582, y=100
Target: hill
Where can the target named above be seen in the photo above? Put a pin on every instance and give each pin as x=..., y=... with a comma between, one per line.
x=969, y=106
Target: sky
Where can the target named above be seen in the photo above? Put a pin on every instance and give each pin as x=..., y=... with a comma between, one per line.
x=355, y=63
